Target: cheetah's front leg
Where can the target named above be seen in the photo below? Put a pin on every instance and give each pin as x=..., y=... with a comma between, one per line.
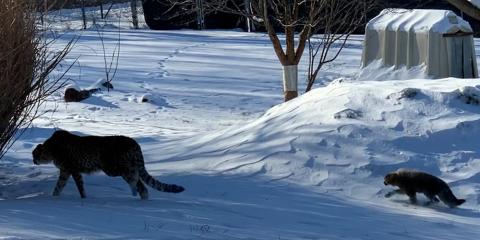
x=62, y=181
x=412, y=195
x=79, y=182
x=397, y=191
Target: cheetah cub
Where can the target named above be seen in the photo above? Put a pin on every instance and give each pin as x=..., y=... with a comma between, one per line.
x=114, y=155
x=410, y=182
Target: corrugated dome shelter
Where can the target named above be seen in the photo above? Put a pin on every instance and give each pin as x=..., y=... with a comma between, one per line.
x=438, y=39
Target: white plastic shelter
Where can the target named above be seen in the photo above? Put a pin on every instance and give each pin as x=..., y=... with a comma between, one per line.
x=438, y=39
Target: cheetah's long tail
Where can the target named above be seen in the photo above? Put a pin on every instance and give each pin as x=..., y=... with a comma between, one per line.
x=154, y=183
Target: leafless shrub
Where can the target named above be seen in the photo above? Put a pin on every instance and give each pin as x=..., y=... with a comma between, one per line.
x=110, y=62
x=25, y=66
x=337, y=21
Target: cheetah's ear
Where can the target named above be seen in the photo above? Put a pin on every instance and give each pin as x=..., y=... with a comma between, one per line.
x=60, y=133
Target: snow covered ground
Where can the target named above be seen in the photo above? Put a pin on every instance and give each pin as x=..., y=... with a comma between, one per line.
x=253, y=167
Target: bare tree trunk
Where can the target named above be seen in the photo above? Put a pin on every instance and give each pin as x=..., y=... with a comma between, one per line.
x=248, y=10
x=290, y=81
x=291, y=56
x=291, y=60
x=101, y=10
x=290, y=68
x=133, y=6
x=200, y=15
x=108, y=10
x=84, y=17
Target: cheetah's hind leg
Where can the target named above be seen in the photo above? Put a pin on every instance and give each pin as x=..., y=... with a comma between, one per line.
x=431, y=199
x=142, y=190
x=132, y=182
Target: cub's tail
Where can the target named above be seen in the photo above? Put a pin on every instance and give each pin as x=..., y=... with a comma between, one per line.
x=448, y=198
x=154, y=183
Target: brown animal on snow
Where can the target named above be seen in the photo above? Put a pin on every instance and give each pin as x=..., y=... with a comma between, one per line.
x=74, y=95
x=411, y=182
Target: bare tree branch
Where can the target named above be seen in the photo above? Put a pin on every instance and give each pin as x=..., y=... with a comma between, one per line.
x=339, y=19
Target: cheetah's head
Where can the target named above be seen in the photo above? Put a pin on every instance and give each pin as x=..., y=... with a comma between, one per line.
x=390, y=179
x=41, y=155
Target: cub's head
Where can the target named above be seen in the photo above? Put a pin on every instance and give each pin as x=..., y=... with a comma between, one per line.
x=41, y=155
x=390, y=179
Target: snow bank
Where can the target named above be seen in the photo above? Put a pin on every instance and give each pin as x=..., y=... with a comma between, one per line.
x=377, y=71
x=345, y=137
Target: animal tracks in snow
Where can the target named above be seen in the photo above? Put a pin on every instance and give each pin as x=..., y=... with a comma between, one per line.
x=163, y=72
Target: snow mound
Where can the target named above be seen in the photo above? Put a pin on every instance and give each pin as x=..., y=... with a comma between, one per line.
x=469, y=94
x=378, y=71
x=381, y=127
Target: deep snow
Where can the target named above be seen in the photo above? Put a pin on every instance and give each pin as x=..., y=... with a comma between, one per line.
x=254, y=168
